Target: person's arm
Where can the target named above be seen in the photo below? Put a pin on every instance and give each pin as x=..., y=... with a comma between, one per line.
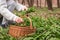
x=19, y=6
x=5, y=12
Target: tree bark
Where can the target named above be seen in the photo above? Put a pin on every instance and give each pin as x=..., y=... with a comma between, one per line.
x=37, y=3
x=49, y=4
x=30, y=2
x=58, y=3
x=40, y=3
x=23, y=2
x=45, y=3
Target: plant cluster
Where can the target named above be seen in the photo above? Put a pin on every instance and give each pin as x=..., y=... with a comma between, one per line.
x=46, y=29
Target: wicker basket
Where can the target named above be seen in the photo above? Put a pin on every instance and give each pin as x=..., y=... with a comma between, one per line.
x=17, y=31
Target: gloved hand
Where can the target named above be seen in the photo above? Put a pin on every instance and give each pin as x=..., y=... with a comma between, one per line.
x=24, y=8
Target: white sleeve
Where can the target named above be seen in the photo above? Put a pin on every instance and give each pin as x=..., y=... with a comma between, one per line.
x=19, y=6
x=5, y=12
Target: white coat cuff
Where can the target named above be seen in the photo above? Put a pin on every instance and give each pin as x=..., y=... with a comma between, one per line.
x=15, y=18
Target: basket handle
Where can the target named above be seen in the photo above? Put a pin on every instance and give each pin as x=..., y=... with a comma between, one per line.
x=29, y=20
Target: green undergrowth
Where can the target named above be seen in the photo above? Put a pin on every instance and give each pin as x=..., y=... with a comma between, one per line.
x=47, y=28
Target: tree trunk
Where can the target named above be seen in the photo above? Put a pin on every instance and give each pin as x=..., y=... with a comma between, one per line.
x=58, y=3
x=30, y=2
x=40, y=3
x=37, y=3
x=45, y=3
x=49, y=4
x=23, y=2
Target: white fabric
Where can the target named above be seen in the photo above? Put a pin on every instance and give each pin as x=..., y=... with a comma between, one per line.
x=6, y=9
x=4, y=20
x=19, y=7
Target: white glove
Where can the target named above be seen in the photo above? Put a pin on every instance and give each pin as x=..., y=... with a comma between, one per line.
x=24, y=8
x=21, y=7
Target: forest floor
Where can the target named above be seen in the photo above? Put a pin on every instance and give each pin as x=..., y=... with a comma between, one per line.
x=47, y=25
